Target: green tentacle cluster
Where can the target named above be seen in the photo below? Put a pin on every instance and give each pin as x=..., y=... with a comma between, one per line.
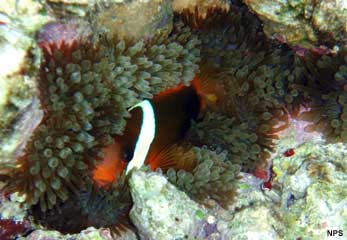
x=326, y=94
x=212, y=177
x=17, y=98
x=107, y=207
x=222, y=30
x=220, y=132
x=95, y=206
x=260, y=76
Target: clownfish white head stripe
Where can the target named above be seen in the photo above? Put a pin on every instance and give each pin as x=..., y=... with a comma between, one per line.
x=146, y=136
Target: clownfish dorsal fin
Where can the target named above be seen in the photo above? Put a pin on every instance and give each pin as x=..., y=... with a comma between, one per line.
x=146, y=136
x=173, y=156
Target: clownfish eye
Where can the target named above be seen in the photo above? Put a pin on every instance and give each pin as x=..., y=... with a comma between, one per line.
x=128, y=155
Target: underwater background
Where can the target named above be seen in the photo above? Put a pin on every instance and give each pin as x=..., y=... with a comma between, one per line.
x=246, y=100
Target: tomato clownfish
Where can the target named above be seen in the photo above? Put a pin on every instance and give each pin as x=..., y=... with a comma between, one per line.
x=154, y=127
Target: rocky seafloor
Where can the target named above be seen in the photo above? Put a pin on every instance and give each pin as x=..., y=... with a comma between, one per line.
x=267, y=159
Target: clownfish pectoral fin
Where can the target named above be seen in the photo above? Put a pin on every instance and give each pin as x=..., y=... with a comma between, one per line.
x=146, y=136
x=174, y=156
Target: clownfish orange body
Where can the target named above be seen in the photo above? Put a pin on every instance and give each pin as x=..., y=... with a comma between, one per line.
x=172, y=111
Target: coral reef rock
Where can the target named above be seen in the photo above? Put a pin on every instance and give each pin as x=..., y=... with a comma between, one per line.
x=19, y=109
x=10, y=208
x=255, y=222
x=307, y=197
x=313, y=183
x=161, y=211
x=23, y=7
x=303, y=22
x=70, y=8
x=251, y=215
x=133, y=20
x=29, y=15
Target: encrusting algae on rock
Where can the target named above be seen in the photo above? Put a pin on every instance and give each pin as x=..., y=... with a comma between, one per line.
x=301, y=22
x=158, y=217
x=19, y=107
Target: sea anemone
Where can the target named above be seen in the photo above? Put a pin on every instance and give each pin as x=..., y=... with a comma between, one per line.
x=85, y=88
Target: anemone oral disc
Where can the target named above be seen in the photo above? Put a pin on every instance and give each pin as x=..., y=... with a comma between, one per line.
x=146, y=135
